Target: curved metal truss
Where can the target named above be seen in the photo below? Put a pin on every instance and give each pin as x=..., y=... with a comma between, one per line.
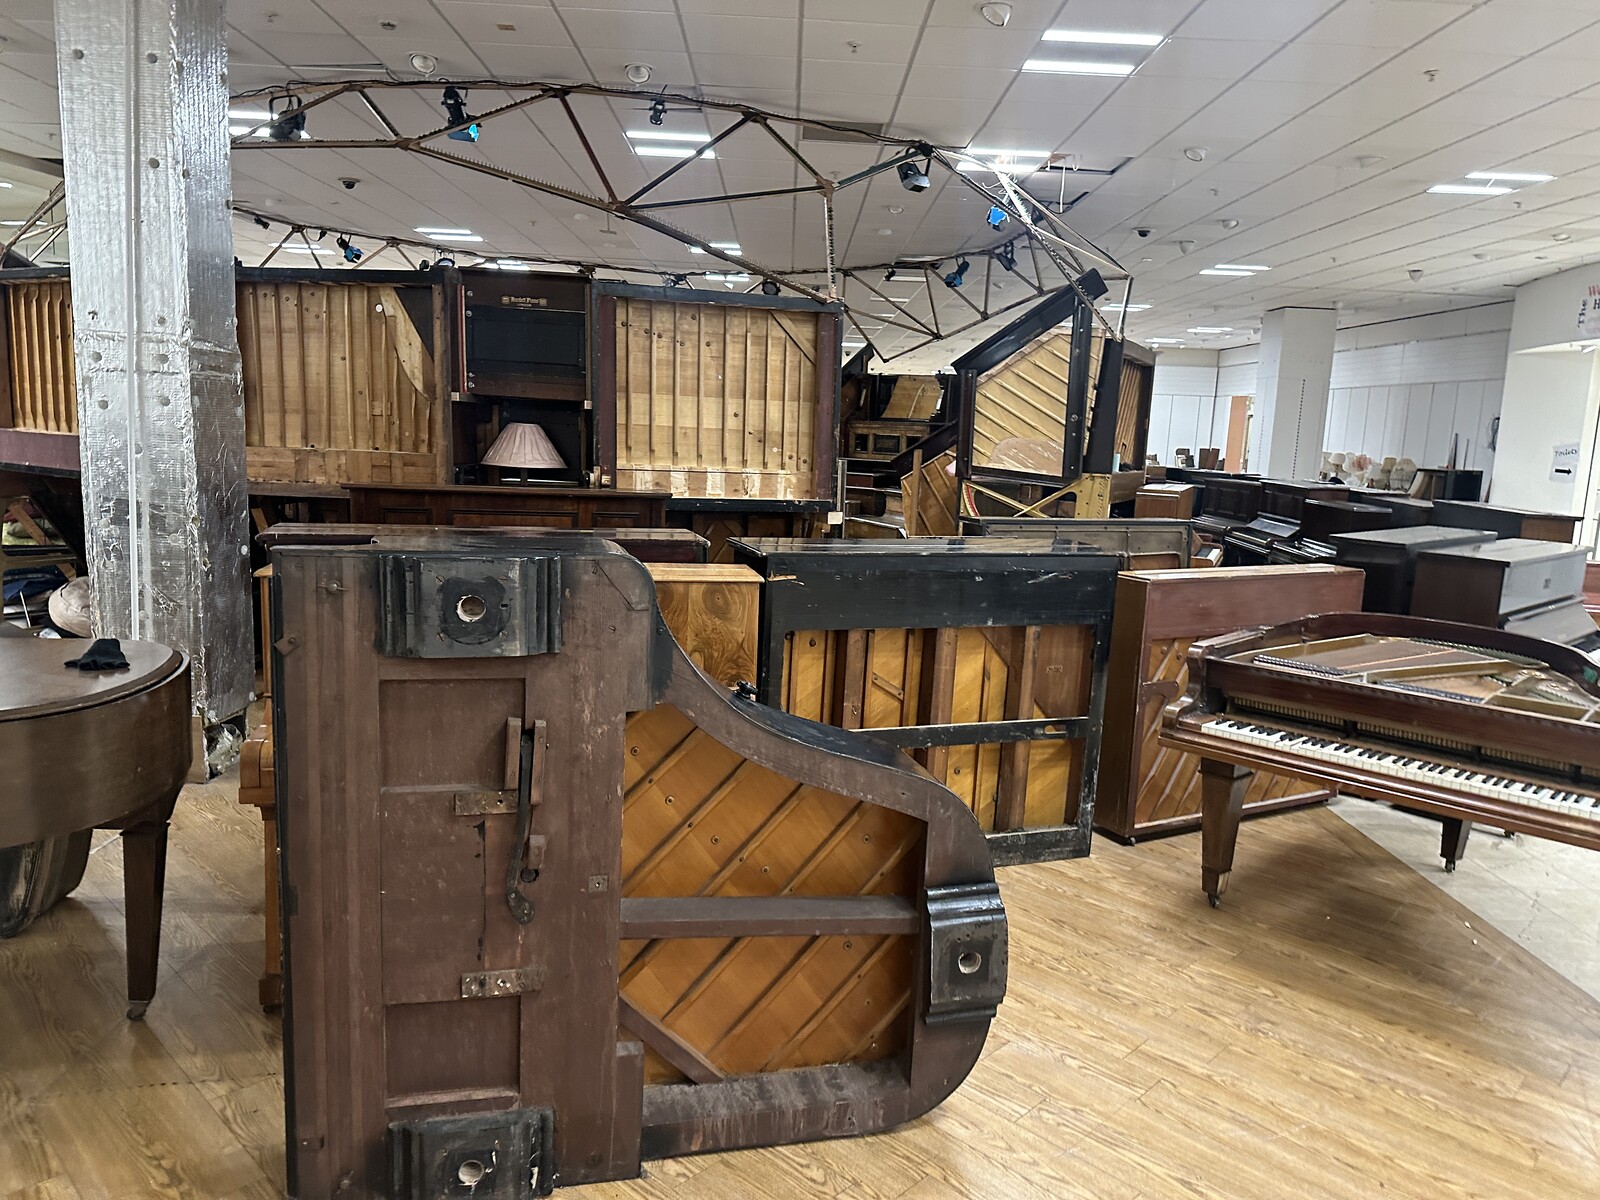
x=1045, y=254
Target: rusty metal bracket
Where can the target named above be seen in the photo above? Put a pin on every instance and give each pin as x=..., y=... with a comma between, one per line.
x=967, y=955
x=517, y=981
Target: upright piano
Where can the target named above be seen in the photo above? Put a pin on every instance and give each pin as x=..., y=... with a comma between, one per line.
x=1468, y=723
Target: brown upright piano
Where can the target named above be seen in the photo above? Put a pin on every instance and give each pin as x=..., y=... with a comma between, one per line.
x=556, y=902
x=1467, y=723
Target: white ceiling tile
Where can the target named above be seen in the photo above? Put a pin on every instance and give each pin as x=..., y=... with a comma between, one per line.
x=641, y=32
x=1206, y=58
x=1277, y=21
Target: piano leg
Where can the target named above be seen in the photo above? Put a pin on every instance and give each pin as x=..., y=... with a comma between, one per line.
x=1453, y=841
x=1222, y=788
x=144, y=869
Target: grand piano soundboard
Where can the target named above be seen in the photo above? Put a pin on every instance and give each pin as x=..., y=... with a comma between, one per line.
x=1468, y=723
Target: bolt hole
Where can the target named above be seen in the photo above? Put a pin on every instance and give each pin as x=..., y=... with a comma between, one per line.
x=969, y=962
x=471, y=1172
x=471, y=608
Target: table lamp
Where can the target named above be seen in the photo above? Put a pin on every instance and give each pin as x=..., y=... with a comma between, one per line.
x=523, y=448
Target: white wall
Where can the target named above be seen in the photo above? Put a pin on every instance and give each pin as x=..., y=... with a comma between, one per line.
x=1237, y=370
x=1406, y=387
x=1550, y=398
x=1184, y=408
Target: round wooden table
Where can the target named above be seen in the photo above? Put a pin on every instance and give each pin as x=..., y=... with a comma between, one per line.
x=83, y=750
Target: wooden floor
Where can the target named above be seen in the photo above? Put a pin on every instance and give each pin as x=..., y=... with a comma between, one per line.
x=1339, y=1029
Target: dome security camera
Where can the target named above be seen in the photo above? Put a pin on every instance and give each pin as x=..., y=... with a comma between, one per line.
x=1144, y=231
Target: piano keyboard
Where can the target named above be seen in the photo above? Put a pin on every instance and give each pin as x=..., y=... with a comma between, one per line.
x=1399, y=765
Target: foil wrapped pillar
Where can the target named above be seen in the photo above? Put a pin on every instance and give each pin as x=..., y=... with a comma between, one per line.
x=144, y=126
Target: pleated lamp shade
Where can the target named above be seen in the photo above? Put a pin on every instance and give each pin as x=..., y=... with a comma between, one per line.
x=523, y=448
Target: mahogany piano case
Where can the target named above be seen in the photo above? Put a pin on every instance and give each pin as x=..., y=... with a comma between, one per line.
x=1146, y=788
x=555, y=901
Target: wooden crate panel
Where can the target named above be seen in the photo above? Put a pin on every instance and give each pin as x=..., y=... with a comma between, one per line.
x=716, y=400
x=915, y=398
x=889, y=678
x=699, y=820
x=44, y=389
x=336, y=373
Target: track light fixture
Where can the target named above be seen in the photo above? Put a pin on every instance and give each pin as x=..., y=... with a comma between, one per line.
x=455, y=105
x=1006, y=256
x=263, y=222
x=959, y=276
x=352, y=253
x=1092, y=285
x=770, y=287
x=888, y=276
x=446, y=261
x=288, y=123
x=424, y=265
x=676, y=280
x=913, y=178
x=658, y=112
x=997, y=216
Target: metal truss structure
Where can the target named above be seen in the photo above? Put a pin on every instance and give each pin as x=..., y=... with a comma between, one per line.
x=1044, y=255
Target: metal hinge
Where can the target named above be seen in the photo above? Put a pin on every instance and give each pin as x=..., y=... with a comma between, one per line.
x=966, y=952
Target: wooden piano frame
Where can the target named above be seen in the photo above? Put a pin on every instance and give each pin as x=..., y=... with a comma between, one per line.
x=1226, y=765
x=555, y=902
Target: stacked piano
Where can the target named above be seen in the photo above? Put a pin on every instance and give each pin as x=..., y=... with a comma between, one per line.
x=1466, y=723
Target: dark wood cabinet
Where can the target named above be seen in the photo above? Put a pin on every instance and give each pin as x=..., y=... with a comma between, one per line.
x=489, y=507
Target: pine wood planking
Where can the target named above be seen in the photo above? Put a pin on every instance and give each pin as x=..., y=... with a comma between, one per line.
x=42, y=371
x=715, y=400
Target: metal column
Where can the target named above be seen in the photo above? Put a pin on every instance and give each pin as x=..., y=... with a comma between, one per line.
x=144, y=129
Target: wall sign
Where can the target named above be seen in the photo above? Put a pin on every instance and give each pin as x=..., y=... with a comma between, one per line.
x=1564, y=463
x=1589, y=312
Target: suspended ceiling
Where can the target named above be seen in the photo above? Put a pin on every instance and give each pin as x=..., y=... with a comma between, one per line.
x=1322, y=122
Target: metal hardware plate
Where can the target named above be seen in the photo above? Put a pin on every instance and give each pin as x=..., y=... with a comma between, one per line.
x=481, y=985
x=438, y=605
x=477, y=804
x=485, y=1156
x=967, y=954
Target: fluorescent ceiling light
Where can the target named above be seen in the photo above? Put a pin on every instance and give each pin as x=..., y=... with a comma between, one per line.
x=1012, y=154
x=1165, y=341
x=672, y=152
x=1126, y=307
x=730, y=247
x=441, y=231
x=1510, y=176
x=249, y=114
x=299, y=249
x=1212, y=329
x=1061, y=66
x=663, y=135
x=511, y=264
x=740, y=278
x=1240, y=267
x=1468, y=189
x=12, y=224
x=4, y=184
x=456, y=237
x=1231, y=274
x=1094, y=37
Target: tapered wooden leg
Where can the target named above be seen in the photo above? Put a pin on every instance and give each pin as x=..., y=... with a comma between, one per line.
x=1222, y=788
x=1453, y=841
x=144, y=870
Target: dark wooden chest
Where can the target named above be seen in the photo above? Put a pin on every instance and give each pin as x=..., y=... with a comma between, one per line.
x=1389, y=558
